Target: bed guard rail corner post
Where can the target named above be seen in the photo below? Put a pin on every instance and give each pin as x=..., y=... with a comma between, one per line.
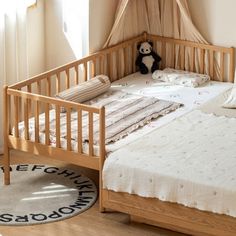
x=232, y=65
x=102, y=153
x=145, y=36
x=6, y=158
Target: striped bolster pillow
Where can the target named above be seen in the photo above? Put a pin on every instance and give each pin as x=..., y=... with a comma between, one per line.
x=86, y=90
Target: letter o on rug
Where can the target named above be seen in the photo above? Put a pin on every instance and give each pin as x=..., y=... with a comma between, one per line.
x=42, y=194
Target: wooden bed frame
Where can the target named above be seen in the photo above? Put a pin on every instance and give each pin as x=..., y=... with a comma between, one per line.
x=29, y=98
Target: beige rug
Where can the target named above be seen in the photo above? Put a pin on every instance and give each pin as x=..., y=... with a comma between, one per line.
x=41, y=194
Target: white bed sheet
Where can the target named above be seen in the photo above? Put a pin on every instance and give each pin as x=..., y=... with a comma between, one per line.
x=144, y=84
x=192, y=98
x=191, y=161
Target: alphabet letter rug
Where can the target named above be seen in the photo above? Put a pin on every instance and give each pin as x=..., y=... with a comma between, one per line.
x=41, y=194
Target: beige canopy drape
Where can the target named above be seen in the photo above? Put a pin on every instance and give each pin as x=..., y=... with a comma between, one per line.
x=169, y=18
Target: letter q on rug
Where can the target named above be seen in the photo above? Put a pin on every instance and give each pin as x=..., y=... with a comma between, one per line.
x=41, y=194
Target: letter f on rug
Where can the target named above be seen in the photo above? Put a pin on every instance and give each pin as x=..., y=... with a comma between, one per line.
x=41, y=194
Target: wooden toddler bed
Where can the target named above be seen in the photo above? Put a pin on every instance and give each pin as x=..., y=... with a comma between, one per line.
x=29, y=98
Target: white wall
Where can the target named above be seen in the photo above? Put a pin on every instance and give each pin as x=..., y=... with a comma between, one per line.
x=101, y=19
x=36, y=40
x=216, y=20
x=58, y=49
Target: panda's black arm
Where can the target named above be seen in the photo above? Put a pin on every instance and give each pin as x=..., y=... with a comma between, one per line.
x=156, y=56
x=139, y=60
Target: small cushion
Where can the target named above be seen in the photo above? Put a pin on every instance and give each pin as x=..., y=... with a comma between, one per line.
x=85, y=91
x=231, y=100
x=180, y=77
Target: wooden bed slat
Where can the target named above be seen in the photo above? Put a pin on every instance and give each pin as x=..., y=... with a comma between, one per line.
x=231, y=65
x=39, y=87
x=90, y=133
x=163, y=55
x=115, y=63
x=192, y=59
x=85, y=71
x=102, y=64
x=36, y=120
x=58, y=127
x=134, y=57
x=47, y=124
x=67, y=78
x=125, y=61
x=222, y=62
x=76, y=75
x=182, y=57
x=93, y=68
x=26, y=118
x=202, y=57
x=211, y=63
x=172, y=49
x=58, y=83
x=111, y=64
x=29, y=90
x=48, y=82
x=68, y=129
x=79, y=135
x=118, y=66
x=16, y=115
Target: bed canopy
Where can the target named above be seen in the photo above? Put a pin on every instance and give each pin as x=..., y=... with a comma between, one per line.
x=169, y=18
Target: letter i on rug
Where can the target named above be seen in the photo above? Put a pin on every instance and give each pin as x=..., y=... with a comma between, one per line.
x=41, y=194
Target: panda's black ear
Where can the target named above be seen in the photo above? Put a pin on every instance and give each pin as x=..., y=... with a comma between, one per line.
x=138, y=46
x=151, y=43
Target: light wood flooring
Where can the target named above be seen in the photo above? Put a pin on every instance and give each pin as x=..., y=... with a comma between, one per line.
x=89, y=223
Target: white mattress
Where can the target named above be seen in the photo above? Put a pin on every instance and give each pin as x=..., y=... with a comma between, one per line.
x=145, y=85
x=192, y=98
x=191, y=161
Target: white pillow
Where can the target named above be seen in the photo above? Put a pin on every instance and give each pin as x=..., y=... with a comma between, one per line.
x=180, y=77
x=86, y=90
x=231, y=101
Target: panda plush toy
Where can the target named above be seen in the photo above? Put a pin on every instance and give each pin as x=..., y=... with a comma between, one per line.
x=147, y=60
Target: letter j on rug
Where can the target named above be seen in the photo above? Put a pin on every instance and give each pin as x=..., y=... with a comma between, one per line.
x=41, y=194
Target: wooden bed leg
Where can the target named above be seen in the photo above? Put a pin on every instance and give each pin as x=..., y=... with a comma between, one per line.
x=101, y=208
x=6, y=157
x=6, y=166
x=102, y=155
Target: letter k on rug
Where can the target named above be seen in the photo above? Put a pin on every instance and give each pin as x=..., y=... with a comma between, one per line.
x=41, y=194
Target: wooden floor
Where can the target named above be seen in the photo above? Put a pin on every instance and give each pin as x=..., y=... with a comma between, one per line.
x=89, y=223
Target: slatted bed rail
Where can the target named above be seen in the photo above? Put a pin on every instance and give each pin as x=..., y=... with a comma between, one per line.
x=216, y=61
x=109, y=61
x=27, y=108
x=34, y=96
x=64, y=77
x=120, y=59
